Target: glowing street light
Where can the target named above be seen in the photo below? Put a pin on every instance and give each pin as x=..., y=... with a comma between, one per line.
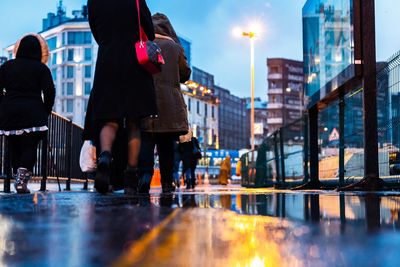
x=238, y=32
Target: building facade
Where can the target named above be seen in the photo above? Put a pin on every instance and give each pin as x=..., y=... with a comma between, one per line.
x=202, y=115
x=73, y=54
x=233, y=121
x=260, y=120
x=285, y=92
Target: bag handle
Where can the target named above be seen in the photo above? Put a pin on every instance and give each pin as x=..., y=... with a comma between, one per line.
x=142, y=34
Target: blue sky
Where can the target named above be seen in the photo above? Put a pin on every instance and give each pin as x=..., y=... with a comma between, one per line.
x=208, y=24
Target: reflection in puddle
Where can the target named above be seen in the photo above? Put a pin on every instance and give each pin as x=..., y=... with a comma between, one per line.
x=375, y=210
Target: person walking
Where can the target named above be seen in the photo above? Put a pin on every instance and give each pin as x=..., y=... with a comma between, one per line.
x=225, y=171
x=23, y=111
x=123, y=92
x=177, y=165
x=195, y=160
x=172, y=119
x=186, y=147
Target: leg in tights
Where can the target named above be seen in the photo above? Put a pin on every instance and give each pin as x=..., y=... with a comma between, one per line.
x=165, y=148
x=107, y=136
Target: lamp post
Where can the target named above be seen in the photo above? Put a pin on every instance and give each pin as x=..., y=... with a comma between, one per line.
x=251, y=35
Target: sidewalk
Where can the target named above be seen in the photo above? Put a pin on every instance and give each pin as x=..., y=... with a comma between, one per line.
x=210, y=226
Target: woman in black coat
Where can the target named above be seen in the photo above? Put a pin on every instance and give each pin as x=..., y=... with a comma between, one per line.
x=123, y=92
x=23, y=111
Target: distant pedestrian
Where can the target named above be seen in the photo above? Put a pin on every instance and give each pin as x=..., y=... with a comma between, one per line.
x=195, y=159
x=23, y=111
x=123, y=92
x=225, y=171
x=172, y=119
x=177, y=165
x=189, y=158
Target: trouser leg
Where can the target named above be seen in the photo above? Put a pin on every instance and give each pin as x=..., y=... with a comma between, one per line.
x=15, y=152
x=28, y=150
x=165, y=148
x=146, y=162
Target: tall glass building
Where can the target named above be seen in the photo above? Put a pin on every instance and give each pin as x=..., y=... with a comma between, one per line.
x=187, y=46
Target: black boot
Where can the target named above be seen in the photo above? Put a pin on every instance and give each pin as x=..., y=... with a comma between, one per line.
x=131, y=181
x=144, y=183
x=102, y=179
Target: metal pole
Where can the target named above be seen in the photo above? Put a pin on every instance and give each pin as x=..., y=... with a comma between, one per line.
x=69, y=155
x=341, y=140
x=44, y=163
x=313, y=140
x=371, y=161
x=282, y=153
x=8, y=172
x=252, y=90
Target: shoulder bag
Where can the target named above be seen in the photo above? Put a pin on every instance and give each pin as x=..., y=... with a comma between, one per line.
x=148, y=53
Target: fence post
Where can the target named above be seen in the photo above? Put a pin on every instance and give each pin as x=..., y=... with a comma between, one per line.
x=277, y=157
x=69, y=154
x=306, y=150
x=86, y=183
x=341, y=140
x=282, y=153
x=313, y=140
x=44, y=158
x=7, y=162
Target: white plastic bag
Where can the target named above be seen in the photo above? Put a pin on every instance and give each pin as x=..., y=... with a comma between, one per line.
x=87, y=158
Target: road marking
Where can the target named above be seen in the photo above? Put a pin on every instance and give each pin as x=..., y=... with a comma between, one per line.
x=137, y=250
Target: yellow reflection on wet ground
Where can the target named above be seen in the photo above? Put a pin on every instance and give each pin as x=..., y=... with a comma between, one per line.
x=205, y=237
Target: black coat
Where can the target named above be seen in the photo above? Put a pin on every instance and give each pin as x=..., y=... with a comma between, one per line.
x=122, y=89
x=25, y=79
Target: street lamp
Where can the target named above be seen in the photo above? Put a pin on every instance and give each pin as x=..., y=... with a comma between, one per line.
x=251, y=35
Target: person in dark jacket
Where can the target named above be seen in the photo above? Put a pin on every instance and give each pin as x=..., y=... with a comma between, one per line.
x=172, y=118
x=23, y=111
x=123, y=92
x=186, y=148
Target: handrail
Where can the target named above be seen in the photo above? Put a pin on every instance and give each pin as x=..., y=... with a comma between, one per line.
x=58, y=154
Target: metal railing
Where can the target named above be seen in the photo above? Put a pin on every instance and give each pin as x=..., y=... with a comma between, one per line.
x=58, y=154
x=284, y=156
x=280, y=158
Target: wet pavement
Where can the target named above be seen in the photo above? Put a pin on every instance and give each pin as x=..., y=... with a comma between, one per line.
x=212, y=226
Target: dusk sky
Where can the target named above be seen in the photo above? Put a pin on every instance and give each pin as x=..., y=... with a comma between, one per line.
x=208, y=25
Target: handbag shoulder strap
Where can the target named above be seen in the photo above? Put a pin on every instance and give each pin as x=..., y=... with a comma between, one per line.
x=140, y=24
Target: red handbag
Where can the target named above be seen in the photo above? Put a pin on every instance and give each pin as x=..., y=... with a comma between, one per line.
x=148, y=53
